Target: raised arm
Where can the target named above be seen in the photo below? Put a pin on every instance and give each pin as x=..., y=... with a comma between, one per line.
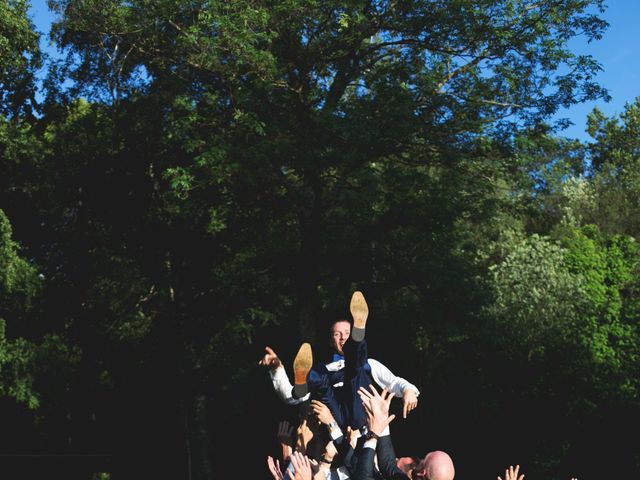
x=339, y=442
x=376, y=406
x=281, y=383
x=285, y=437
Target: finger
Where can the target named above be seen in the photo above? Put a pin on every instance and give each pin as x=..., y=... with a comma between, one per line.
x=405, y=410
x=364, y=391
x=365, y=399
x=294, y=460
x=390, y=418
x=373, y=390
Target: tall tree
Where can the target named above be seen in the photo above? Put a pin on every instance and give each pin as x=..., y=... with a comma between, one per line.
x=241, y=164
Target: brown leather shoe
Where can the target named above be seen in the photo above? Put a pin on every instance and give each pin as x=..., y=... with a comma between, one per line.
x=301, y=367
x=359, y=312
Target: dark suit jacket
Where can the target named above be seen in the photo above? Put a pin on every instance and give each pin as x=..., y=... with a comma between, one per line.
x=365, y=468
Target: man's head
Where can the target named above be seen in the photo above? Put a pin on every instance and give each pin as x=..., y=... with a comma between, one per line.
x=435, y=465
x=340, y=331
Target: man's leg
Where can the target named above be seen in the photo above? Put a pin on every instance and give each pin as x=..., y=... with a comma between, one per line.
x=301, y=366
x=357, y=370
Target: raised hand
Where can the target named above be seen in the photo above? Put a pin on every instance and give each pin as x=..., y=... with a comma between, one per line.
x=376, y=407
x=274, y=468
x=285, y=432
x=352, y=437
x=304, y=434
x=322, y=412
x=512, y=473
x=301, y=466
x=270, y=359
x=376, y=402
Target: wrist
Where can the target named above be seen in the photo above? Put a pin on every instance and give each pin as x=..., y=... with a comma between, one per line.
x=331, y=425
x=371, y=435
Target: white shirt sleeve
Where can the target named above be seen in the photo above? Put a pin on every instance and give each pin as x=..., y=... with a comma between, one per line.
x=283, y=387
x=386, y=379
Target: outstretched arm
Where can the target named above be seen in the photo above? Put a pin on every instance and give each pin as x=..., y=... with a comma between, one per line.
x=398, y=386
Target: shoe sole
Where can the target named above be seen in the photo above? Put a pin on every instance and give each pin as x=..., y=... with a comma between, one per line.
x=302, y=364
x=359, y=310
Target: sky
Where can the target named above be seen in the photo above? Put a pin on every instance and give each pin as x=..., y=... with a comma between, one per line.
x=618, y=52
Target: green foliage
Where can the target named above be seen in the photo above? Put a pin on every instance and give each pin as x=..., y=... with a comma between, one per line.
x=615, y=170
x=19, y=58
x=19, y=285
x=608, y=267
x=16, y=369
x=538, y=300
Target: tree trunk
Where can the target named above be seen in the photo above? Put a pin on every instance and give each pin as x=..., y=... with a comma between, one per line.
x=198, y=440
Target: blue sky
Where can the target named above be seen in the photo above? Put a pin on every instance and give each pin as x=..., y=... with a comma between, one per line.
x=618, y=52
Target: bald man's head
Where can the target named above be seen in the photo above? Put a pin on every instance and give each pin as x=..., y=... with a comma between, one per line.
x=435, y=465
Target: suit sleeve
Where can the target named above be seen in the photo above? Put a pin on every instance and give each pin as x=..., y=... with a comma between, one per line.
x=387, y=460
x=365, y=466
